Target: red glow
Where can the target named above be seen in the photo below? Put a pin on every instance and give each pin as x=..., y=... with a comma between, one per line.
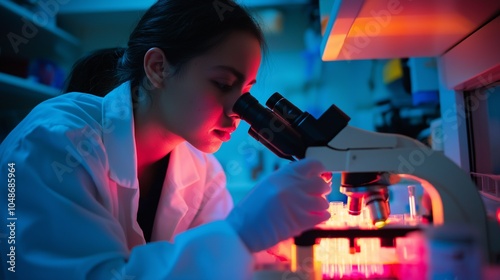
x=368, y=261
x=373, y=271
x=326, y=176
x=498, y=215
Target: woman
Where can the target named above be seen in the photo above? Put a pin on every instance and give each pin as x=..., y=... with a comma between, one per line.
x=124, y=187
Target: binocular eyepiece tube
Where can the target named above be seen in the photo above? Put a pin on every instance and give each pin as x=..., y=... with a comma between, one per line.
x=285, y=129
x=270, y=128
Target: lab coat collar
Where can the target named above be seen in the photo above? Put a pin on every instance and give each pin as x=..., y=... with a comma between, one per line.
x=119, y=140
x=118, y=136
x=182, y=171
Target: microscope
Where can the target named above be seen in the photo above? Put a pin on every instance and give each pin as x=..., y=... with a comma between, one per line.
x=369, y=164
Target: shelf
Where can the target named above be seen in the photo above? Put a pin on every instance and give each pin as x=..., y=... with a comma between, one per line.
x=21, y=93
x=32, y=35
x=489, y=188
x=381, y=29
x=488, y=184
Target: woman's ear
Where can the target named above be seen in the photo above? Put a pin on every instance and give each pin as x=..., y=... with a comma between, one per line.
x=156, y=67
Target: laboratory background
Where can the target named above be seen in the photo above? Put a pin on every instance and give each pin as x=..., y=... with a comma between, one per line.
x=428, y=70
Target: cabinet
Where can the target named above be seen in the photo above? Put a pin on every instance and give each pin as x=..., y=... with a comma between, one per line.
x=377, y=29
x=27, y=35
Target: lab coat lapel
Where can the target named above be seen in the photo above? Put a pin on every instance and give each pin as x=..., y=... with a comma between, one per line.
x=173, y=214
x=119, y=141
x=118, y=136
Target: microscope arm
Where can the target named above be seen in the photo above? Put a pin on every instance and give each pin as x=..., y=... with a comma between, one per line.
x=454, y=197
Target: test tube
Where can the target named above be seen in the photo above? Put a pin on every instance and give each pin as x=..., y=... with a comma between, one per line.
x=411, y=198
x=336, y=208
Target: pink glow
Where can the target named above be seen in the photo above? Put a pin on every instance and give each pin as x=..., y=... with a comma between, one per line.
x=360, y=271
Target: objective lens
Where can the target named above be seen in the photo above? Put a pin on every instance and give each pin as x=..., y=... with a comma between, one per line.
x=378, y=208
x=354, y=204
x=379, y=224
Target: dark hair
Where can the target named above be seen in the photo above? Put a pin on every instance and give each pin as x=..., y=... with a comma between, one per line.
x=95, y=73
x=183, y=29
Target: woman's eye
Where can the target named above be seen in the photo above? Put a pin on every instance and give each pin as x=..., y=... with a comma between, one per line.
x=222, y=86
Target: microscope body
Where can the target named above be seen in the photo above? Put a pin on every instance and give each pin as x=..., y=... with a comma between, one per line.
x=370, y=162
x=454, y=197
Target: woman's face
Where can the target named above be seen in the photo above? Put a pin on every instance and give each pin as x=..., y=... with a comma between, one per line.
x=196, y=103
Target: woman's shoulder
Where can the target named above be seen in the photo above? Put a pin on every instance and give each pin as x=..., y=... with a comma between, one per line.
x=72, y=110
x=70, y=107
x=62, y=113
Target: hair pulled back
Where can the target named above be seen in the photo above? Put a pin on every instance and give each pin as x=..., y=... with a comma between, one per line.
x=95, y=73
x=182, y=29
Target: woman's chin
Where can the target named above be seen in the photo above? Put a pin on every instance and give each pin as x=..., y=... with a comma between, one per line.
x=209, y=148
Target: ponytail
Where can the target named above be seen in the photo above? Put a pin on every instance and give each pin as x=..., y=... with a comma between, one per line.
x=95, y=73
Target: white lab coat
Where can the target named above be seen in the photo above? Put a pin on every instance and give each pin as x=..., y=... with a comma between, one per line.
x=76, y=199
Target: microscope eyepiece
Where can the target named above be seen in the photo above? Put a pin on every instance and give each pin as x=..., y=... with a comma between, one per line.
x=275, y=98
x=285, y=108
x=246, y=105
x=269, y=128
